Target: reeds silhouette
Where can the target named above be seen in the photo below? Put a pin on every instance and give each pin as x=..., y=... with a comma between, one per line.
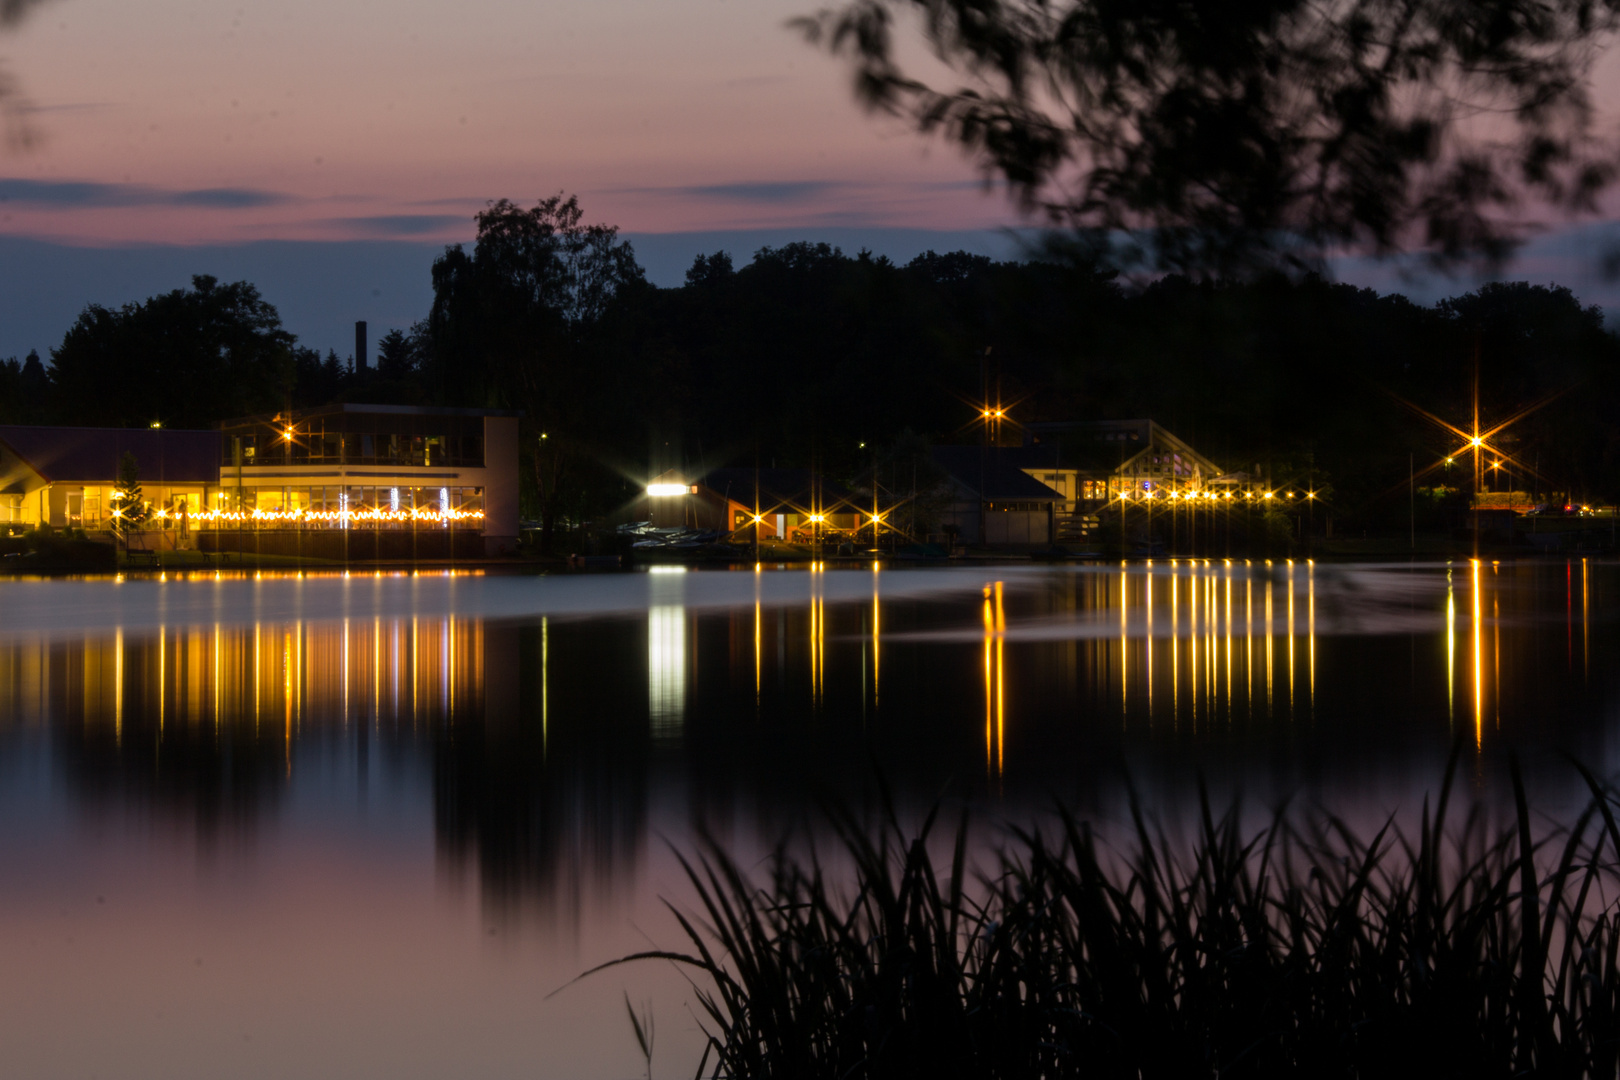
x=1299, y=948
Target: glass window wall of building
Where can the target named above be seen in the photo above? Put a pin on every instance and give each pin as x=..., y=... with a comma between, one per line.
x=359, y=439
x=338, y=507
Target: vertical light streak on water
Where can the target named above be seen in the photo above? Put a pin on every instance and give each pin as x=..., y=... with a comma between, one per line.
x=1450, y=650
x=817, y=632
x=877, y=621
x=812, y=635
x=118, y=687
x=1147, y=607
x=1291, y=637
x=376, y=673
x=1479, y=664
x=1193, y=583
x=1001, y=707
x=446, y=657
x=989, y=691
x=1229, y=640
x=821, y=633
x=1001, y=684
x=1248, y=636
x=1310, y=628
x=545, y=686
x=1124, y=648
x=1269, y=626
x=666, y=652
x=759, y=651
x=414, y=658
x=1212, y=637
x=1175, y=646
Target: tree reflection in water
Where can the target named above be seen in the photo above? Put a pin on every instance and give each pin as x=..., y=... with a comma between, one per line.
x=553, y=753
x=553, y=816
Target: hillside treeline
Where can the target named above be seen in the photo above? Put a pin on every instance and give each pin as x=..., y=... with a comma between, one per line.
x=811, y=356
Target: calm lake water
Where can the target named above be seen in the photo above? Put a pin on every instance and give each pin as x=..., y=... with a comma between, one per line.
x=366, y=826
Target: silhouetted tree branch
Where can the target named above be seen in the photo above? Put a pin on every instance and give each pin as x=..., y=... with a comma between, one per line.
x=1217, y=137
x=14, y=107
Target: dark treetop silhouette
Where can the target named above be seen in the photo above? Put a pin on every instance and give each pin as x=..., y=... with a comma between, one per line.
x=808, y=356
x=1219, y=136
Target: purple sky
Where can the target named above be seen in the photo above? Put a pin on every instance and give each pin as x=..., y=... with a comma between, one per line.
x=183, y=121
x=326, y=149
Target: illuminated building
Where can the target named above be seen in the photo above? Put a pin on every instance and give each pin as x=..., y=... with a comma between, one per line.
x=64, y=476
x=790, y=505
x=1054, y=488
x=1094, y=461
x=989, y=501
x=365, y=481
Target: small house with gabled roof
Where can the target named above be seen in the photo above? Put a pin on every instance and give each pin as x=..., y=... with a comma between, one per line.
x=993, y=501
x=64, y=476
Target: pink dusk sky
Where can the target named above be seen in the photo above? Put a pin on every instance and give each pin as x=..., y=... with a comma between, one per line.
x=326, y=150
x=190, y=121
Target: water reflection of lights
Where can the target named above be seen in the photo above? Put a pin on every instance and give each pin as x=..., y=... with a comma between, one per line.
x=1451, y=650
x=1124, y=645
x=877, y=618
x=818, y=632
x=1213, y=651
x=1291, y=636
x=227, y=678
x=666, y=652
x=1479, y=663
x=995, y=701
x=545, y=687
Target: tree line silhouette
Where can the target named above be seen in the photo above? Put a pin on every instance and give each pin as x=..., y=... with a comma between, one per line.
x=809, y=356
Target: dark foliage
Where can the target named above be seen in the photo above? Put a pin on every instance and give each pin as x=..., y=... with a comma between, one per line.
x=14, y=106
x=187, y=358
x=536, y=318
x=807, y=356
x=25, y=391
x=1300, y=948
x=1217, y=137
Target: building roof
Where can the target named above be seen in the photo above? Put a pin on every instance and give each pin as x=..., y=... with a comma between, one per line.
x=165, y=456
x=356, y=407
x=994, y=474
x=797, y=486
x=1103, y=447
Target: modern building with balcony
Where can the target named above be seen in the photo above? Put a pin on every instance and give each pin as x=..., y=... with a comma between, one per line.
x=367, y=481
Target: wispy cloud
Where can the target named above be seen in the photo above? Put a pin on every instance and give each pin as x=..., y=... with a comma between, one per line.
x=80, y=194
x=401, y=224
x=779, y=191
x=775, y=192
x=68, y=107
x=754, y=80
x=475, y=201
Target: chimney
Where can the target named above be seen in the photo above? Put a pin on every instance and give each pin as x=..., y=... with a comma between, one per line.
x=360, y=346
